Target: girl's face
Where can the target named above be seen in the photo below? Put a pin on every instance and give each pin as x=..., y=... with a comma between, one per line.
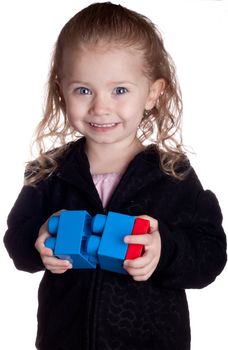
x=106, y=92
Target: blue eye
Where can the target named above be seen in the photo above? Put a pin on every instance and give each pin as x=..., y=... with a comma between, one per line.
x=83, y=91
x=120, y=90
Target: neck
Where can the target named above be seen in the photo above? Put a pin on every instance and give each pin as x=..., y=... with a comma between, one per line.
x=109, y=158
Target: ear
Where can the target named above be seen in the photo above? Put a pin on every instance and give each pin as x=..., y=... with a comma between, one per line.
x=60, y=95
x=155, y=91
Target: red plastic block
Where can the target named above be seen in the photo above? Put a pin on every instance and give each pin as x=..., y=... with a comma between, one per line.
x=141, y=226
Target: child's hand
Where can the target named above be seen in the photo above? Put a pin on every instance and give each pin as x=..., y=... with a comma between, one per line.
x=50, y=262
x=142, y=268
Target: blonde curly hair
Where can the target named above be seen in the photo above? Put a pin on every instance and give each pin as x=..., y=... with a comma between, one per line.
x=120, y=26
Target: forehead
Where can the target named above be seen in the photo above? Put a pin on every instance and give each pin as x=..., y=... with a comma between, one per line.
x=102, y=59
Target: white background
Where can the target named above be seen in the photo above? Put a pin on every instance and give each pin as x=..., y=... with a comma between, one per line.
x=195, y=33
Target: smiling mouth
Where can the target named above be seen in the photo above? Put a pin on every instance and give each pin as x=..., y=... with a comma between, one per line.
x=105, y=125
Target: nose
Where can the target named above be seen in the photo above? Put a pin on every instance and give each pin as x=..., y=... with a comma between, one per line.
x=100, y=105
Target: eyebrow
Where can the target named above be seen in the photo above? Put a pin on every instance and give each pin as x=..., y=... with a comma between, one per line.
x=116, y=83
x=78, y=82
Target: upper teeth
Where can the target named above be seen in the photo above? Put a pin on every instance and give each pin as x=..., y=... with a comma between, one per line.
x=103, y=125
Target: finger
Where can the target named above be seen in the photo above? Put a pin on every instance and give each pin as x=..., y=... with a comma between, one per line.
x=142, y=277
x=141, y=274
x=141, y=265
x=44, y=251
x=140, y=271
x=139, y=262
x=53, y=262
x=58, y=271
x=40, y=245
x=153, y=222
x=145, y=239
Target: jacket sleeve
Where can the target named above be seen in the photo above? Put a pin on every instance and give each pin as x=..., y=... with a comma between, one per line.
x=24, y=221
x=193, y=253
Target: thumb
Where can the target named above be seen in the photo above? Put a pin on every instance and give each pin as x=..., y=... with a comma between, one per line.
x=153, y=222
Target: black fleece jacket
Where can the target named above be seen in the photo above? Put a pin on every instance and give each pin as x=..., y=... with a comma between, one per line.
x=95, y=309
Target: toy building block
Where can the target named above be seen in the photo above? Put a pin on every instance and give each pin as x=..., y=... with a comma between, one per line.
x=112, y=249
x=141, y=226
x=87, y=241
x=70, y=230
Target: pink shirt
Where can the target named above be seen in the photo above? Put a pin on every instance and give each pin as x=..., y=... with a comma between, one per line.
x=106, y=185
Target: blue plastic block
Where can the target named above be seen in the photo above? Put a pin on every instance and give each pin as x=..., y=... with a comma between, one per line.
x=112, y=249
x=92, y=246
x=53, y=224
x=87, y=241
x=50, y=243
x=72, y=229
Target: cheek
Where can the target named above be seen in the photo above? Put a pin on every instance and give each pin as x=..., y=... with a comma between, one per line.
x=74, y=110
x=133, y=112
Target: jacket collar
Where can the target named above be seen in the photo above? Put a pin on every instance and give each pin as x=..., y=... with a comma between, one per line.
x=144, y=168
x=74, y=169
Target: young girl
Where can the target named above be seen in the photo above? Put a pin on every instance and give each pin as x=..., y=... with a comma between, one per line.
x=112, y=86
